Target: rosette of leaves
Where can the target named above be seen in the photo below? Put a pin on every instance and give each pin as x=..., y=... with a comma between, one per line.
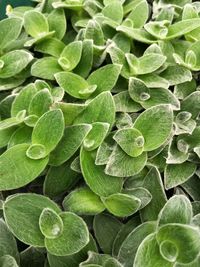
x=100, y=134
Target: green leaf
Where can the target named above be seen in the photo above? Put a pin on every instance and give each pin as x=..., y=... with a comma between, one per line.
x=191, y=104
x=33, y=255
x=155, y=124
x=148, y=254
x=67, y=179
x=74, y=85
x=149, y=63
x=99, y=109
x=10, y=29
x=8, y=261
x=151, y=211
x=35, y=23
x=45, y=68
x=24, y=222
x=57, y=22
x=5, y=135
x=141, y=193
x=70, y=56
x=96, y=135
x=14, y=62
x=104, y=78
x=69, y=144
x=50, y=46
x=23, y=99
x=74, y=259
x=121, y=164
x=93, y=31
x=184, y=237
x=124, y=103
x=176, y=75
x=106, y=228
x=74, y=237
x=85, y=64
x=130, y=140
x=176, y=174
x=139, y=12
x=51, y=124
x=8, y=242
x=14, y=162
x=182, y=27
x=130, y=245
x=83, y=201
x=40, y=103
x=21, y=136
x=103, y=184
x=177, y=210
x=121, y=205
x=50, y=223
x=113, y=11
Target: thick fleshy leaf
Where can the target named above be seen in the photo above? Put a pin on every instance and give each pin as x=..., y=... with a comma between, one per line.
x=24, y=223
x=35, y=23
x=83, y=201
x=176, y=75
x=57, y=22
x=50, y=46
x=106, y=228
x=114, y=12
x=10, y=29
x=103, y=184
x=191, y=104
x=23, y=99
x=70, y=111
x=33, y=255
x=125, y=230
x=8, y=261
x=151, y=211
x=130, y=140
x=130, y=245
x=93, y=31
x=50, y=223
x=139, y=12
x=104, y=78
x=22, y=135
x=96, y=135
x=70, y=56
x=40, y=103
x=15, y=163
x=155, y=124
x=141, y=193
x=46, y=68
x=8, y=242
x=85, y=64
x=69, y=144
x=121, y=164
x=148, y=254
x=74, y=237
x=14, y=62
x=183, y=238
x=99, y=109
x=182, y=27
x=51, y=124
x=74, y=85
x=67, y=179
x=121, y=205
x=177, y=210
x=5, y=135
x=75, y=259
x=149, y=63
x=176, y=174
x=124, y=103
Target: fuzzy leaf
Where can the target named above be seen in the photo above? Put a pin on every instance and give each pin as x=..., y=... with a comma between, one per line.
x=103, y=184
x=15, y=163
x=24, y=222
x=155, y=124
x=83, y=201
x=74, y=237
